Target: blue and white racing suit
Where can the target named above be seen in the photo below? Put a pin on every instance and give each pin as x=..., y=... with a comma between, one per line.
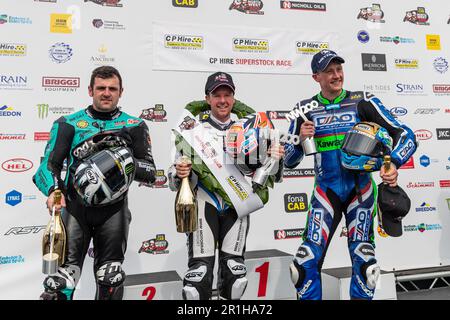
x=340, y=191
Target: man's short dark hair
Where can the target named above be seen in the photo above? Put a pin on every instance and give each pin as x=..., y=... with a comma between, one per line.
x=105, y=72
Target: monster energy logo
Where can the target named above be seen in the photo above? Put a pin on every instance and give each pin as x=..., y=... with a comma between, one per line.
x=42, y=110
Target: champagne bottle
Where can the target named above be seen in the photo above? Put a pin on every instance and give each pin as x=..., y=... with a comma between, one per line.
x=186, y=214
x=54, y=240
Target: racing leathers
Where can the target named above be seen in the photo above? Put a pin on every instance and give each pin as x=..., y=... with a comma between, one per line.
x=340, y=191
x=218, y=223
x=73, y=138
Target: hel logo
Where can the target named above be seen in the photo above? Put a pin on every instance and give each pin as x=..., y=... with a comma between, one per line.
x=423, y=134
x=17, y=165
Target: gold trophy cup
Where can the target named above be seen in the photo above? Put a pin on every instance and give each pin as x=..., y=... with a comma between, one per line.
x=54, y=240
x=186, y=213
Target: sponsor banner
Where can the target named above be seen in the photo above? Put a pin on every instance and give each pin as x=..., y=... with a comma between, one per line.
x=6, y=111
x=63, y=84
x=18, y=231
x=372, y=14
x=396, y=39
x=248, y=6
x=398, y=111
x=299, y=5
x=410, y=89
x=363, y=36
x=422, y=227
x=288, y=233
x=426, y=208
x=441, y=89
x=426, y=110
x=13, y=49
x=12, y=259
x=233, y=49
x=444, y=183
x=14, y=82
x=41, y=136
x=157, y=245
x=440, y=64
x=423, y=134
x=12, y=136
x=5, y=18
x=415, y=185
x=107, y=24
x=155, y=114
x=295, y=202
x=418, y=16
x=17, y=165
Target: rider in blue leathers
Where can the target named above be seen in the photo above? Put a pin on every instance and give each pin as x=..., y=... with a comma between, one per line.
x=337, y=190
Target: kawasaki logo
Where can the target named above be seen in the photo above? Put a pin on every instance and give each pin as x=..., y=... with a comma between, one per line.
x=329, y=144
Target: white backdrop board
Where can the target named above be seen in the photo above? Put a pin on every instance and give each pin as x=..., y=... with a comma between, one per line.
x=165, y=50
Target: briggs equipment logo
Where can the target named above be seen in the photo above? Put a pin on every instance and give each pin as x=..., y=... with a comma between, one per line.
x=295, y=202
x=183, y=42
x=372, y=14
x=247, y=6
x=66, y=84
x=441, y=89
x=185, y=3
x=250, y=45
x=157, y=245
x=418, y=16
x=107, y=3
x=298, y=5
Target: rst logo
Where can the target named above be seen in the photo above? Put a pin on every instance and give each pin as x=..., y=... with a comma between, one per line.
x=339, y=118
x=17, y=165
x=423, y=134
x=17, y=231
x=185, y=3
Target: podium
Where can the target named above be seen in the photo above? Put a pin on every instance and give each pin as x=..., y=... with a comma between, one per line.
x=268, y=276
x=166, y=285
x=336, y=285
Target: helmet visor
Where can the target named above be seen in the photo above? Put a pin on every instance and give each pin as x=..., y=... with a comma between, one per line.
x=357, y=143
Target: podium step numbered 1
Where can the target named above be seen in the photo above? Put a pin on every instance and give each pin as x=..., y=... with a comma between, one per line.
x=267, y=273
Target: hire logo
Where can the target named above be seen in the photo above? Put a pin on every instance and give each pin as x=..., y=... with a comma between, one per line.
x=295, y=202
x=13, y=49
x=183, y=42
x=185, y=3
x=311, y=47
x=157, y=245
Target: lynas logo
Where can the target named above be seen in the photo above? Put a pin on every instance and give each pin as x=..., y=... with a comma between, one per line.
x=42, y=110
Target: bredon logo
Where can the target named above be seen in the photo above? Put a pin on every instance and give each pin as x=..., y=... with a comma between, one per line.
x=17, y=165
x=423, y=134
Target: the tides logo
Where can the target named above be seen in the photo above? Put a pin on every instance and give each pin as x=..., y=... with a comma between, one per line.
x=250, y=45
x=183, y=42
x=157, y=245
x=155, y=114
x=185, y=3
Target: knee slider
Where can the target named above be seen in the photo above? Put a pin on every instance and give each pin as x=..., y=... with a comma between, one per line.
x=371, y=272
x=298, y=272
x=110, y=274
x=61, y=285
x=197, y=283
x=233, y=281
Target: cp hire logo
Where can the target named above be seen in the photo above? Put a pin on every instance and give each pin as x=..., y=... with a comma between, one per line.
x=185, y=3
x=183, y=42
x=295, y=202
x=250, y=45
x=311, y=47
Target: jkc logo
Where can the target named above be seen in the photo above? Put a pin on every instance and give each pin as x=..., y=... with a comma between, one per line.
x=13, y=198
x=443, y=133
x=295, y=202
x=17, y=165
x=185, y=3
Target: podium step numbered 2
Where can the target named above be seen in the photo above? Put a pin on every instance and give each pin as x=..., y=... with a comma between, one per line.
x=166, y=285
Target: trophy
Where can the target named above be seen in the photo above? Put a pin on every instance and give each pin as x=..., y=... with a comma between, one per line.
x=186, y=205
x=54, y=240
x=387, y=163
x=271, y=166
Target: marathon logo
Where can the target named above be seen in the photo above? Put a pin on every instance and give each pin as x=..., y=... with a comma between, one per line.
x=183, y=42
x=407, y=63
x=13, y=49
x=311, y=47
x=288, y=233
x=250, y=45
x=238, y=189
